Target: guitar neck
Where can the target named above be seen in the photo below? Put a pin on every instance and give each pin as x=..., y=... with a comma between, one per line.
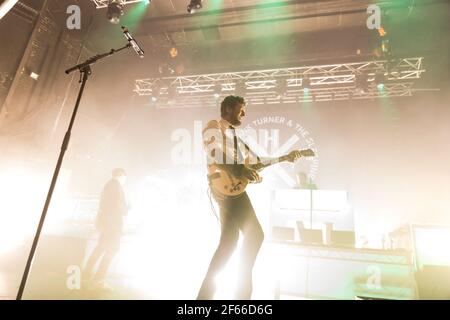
x=272, y=161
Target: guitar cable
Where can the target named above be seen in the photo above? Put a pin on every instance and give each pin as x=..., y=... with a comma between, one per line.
x=213, y=209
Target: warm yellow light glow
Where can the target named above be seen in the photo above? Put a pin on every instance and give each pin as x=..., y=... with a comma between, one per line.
x=23, y=195
x=20, y=192
x=431, y=245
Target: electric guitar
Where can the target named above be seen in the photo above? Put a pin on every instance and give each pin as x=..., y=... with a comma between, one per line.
x=225, y=184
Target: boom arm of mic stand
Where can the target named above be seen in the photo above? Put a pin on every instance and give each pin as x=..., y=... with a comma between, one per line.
x=82, y=66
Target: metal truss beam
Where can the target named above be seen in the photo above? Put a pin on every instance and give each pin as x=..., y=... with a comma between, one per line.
x=100, y=4
x=286, y=85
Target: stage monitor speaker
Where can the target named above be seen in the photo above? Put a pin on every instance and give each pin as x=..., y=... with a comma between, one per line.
x=309, y=236
x=343, y=238
x=283, y=233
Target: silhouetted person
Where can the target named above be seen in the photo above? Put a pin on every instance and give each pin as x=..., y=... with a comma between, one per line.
x=110, y=219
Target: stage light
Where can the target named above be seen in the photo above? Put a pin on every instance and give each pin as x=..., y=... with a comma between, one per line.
x=173, y=52
x=382, y=32
x=194, y=5
x=34, y=76
x=115, y=10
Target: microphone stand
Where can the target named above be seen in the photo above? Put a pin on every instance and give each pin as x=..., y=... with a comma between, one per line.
x=85, y=72
x=311, y=204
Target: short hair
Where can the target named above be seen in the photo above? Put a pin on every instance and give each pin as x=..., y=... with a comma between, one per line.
x=230, y=101
x=117, y=172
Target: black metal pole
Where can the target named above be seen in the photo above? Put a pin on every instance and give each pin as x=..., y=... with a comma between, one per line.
x=311, y=206
x=85, y=72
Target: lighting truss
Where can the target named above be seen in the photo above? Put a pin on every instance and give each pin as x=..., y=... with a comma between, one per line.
x=326, y=82
x=100, y=4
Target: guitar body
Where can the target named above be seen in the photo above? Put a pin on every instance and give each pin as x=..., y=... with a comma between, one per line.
x=225, y=184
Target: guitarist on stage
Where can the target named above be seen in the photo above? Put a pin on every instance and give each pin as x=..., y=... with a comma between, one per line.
x=236, y=213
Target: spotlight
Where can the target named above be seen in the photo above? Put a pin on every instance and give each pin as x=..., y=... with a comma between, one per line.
x=173, y=52
x=34, y=76
x=115, y=10
x=194, y=5
x=382, y=32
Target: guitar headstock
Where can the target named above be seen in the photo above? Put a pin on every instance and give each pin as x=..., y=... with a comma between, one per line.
x=297, y=154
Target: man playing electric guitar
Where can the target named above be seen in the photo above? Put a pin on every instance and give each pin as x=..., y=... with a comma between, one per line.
x=228, y=176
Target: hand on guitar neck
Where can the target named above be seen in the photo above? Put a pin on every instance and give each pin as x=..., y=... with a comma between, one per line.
x=292, y=156
x=251, y=172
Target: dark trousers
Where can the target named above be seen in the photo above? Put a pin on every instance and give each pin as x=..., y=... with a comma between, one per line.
x=107, y=247
x=236, y=214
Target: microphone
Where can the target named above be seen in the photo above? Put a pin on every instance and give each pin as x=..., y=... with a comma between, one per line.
x=133, y=42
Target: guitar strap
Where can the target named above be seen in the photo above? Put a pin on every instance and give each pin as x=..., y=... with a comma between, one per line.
x=247, y=148
x=237, y=154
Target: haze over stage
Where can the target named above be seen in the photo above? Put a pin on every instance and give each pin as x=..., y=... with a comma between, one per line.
x=366, y=217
